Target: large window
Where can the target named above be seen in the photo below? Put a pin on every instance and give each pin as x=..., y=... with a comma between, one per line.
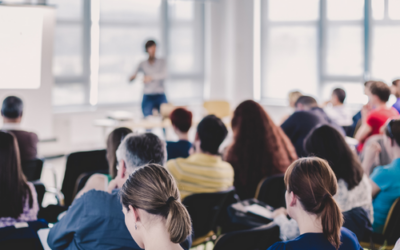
x=317, y=45
x=123, y=28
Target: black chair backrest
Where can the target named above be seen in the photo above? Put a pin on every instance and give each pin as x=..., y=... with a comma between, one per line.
x=22, y=238
x=272, y=191
x=206, y=210
x=78, y=163
x=32, y=169
x=260, y=238
x=40, y=190
x=392, y=227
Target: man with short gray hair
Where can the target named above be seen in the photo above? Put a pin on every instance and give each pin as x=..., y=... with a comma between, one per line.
x=95, y=220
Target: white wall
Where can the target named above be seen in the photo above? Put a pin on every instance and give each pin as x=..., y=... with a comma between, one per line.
x=38, y=111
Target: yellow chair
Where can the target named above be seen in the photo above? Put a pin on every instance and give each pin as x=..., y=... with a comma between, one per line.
x=220, y=109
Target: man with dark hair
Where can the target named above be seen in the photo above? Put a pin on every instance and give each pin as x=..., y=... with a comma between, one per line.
x=307, y=116
x=204, y=171
x=95, y=220
x=155, y=72
x=372, y=121
x=395, y=89
x=337, y=111
x=11, y=111
x=181, y=120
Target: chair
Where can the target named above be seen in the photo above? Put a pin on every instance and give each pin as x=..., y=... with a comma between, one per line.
x=22, y=238
x=40, y=191
x=32, y=169
x=259, y=238
x=78, y=163
x=220, y=109
x=271, y=191
x=391, y=230
x=206, y=211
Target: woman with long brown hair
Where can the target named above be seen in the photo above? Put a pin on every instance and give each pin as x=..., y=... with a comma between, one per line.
x=18, y=198
x=311, y=185
x=260, y=148
x=154, y=214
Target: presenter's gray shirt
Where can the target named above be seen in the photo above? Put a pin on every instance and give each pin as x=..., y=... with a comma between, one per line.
x=158, y=72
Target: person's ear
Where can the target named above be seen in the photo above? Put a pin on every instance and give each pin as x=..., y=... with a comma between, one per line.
x=122, y=169
x=292, y=199
x=135, y=214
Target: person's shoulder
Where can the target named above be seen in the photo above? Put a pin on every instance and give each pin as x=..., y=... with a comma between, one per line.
x=348, y=239
x=96, y=197
x=279, y=246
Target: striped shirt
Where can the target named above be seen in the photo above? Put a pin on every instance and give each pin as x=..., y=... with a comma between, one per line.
x=201, y=173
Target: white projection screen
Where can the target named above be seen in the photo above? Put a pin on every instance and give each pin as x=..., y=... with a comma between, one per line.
x=21, y=31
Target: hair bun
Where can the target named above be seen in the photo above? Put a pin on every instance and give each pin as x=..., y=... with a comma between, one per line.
x=171, y=198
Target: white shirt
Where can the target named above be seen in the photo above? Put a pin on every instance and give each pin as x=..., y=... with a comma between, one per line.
x=157, y=70
x=340, y=114
x=11, y=126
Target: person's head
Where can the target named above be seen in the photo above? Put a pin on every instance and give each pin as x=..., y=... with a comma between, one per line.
x=150, y=198
x=395, y=88
x=327, y=143
x=391, y=139
x=181, y=120
x=11, y=109
x=113, y=141
x=367, y=86
x=14, y=189
x=338, y=96
x=211, y=132
x=137, y=150
x=305, y=103
x=259, y=145
x=150, y=48
x=380, y=93
x=293, y=96
x=311, y=185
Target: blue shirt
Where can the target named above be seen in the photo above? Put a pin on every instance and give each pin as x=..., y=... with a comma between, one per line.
x=396, y=105
x=94, y=221
x=179, y=149
x=317, y=241
x=387, y=178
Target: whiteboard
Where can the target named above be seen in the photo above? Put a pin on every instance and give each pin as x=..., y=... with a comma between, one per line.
x=20, y=47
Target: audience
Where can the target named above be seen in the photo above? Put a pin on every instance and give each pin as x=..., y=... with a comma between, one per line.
x=311, y=185
x=395, y=90
x=292, y=97
x=307, y=116
x=95, y=220
x=101, y=181
x=353, y=186
x=204, y=171
x=260, y=148
x=337, y=111
x=181, y=120
x=372, y=121
x=357, y=117
x=154, y=214
x=11, y=111
x=18, y=197
x=385, y=179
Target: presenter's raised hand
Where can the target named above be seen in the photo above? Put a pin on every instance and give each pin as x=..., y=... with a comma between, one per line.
x=132, y=78
x=147, y=79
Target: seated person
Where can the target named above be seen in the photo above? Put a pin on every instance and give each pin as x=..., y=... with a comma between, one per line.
x=357, y=117
x=101, y=181
x=307, y=116
x=204, y=171
x=372, y=121
x=385, y=179
x=181, y=120
x=354, y=187
x=18, y=197
x=395, y=89
x=95, y=220
x=292, y=97
x=12, y=115
x=311, y=185
x=337, y=111
x=153, y=210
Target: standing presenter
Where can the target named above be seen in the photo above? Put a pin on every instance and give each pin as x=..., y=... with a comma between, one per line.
x=155, y=72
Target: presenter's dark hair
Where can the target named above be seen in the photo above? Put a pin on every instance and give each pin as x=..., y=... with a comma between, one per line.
x=327, y=143
x=182, y=119
x=212, y=132
x=148, y=44
x=12, y=107
x=307, y=101
x=340, y=94
x=14, y=190
x=153, y=189
x=312, y=180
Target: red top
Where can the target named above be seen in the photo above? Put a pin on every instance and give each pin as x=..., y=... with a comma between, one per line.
x=376, y=119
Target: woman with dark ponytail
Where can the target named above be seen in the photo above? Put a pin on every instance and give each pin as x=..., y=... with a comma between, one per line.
x=154, y=214
x=311, y=185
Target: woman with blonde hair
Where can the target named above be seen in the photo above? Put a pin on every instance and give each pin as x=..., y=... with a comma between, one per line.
x=154, y=214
